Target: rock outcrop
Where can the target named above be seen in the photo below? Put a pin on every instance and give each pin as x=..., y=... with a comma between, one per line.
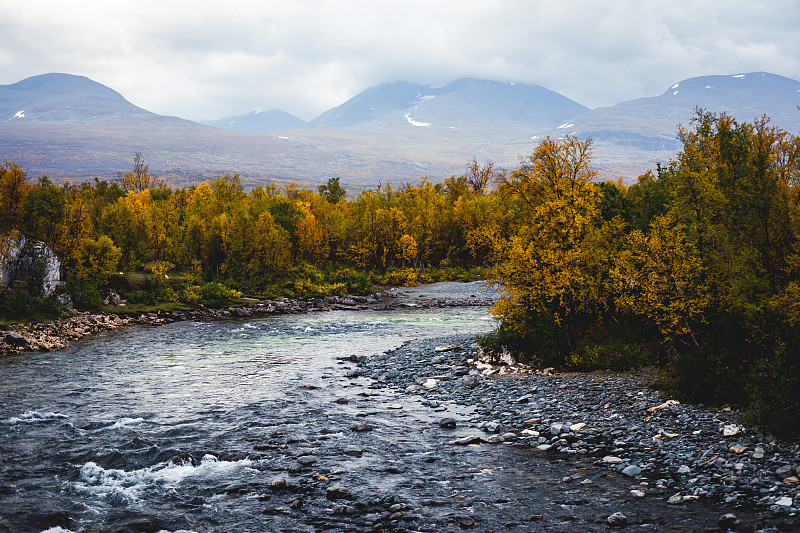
x=23, y=258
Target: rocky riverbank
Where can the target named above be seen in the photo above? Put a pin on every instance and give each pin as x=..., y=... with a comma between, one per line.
x=57, y=334
x=675, y=454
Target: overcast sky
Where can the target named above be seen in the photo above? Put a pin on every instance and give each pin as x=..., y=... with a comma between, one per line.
x=206, y=60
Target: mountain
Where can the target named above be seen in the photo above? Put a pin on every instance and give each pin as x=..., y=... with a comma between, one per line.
x=64, y=98
x=72, y=128
x=651, y=123
x=258, y=121
x=462, y=103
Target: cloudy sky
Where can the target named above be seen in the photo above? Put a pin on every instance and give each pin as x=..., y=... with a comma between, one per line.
x=205, y=60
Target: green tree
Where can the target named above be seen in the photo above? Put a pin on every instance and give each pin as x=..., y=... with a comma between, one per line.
x=332, y=191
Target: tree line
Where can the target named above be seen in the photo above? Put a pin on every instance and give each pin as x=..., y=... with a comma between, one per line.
x=694, y=269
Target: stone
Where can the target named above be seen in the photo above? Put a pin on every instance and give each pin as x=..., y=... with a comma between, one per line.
x=668, y=403
x=631, y=471
x=360, y=428
x=683, y=469
x=731, y=430
x=23, y=259
x=758, y=453
x=431, y=383
x=471, y=439
x=467, y=522
x=447, y=423
x=738, y=448
x=295, y=503
x=784, y=502
x=612, y=460
x=617, y=520
x=728, y=521
x=784, y=472
x=353, y=452
x=278, y=484
x=674, y=500
x=533, y=421
x=638, y=493
x=450, y=348
x=494, y=439
x=338, y=493
x=470, y=382
x=307, y=460
x=577, y=427
x=492, y=427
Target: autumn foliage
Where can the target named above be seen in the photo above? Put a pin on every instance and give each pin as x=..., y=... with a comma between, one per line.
x=694, y=269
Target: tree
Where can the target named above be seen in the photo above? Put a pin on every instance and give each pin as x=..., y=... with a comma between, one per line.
x=97, y=259
x=139, y=178
x=43, y=210
x=77, y=226
x=13, y=188
x=272, y=251
x=550, y=271
x=478, y=177
x=332, y=191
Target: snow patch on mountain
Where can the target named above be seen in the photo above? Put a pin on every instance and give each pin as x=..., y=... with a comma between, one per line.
x=416, y=123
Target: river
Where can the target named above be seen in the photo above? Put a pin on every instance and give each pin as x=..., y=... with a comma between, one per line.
x=152, y=426
x=269, y=425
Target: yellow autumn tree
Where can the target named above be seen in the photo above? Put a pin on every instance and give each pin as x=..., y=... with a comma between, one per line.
x=552, y=271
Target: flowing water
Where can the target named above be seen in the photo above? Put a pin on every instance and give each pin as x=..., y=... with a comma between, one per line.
x=184, y=427
x=152, y=426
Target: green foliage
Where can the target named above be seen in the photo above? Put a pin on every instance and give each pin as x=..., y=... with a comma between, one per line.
x=540, y=342
x=24, y=302
x=332, y=191
x=85, y=293
x=774, y=392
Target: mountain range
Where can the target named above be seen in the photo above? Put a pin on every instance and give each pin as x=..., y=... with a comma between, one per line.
x=72, y=128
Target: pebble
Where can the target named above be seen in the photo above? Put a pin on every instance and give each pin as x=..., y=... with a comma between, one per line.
x=728, y=521
x=448, y=423
x=631, y=471
x=613, y=420
x=338, y=493
x=617, y=520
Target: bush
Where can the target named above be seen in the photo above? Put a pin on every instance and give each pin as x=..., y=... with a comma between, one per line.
x=774, y=394
x=85, y=293
x=536, y=345
x=19, y=304
x=611, y=355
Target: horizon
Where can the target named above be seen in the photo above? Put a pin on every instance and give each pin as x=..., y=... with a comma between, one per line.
x=507, y=82
x=306, y=57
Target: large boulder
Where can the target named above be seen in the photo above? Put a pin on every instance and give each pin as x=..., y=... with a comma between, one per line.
x=22, y=258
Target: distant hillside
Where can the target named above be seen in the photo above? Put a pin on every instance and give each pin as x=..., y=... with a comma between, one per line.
x=463, y=103
x=651, y=123
x=64, y=98
x=72, y=128
x=258, y=121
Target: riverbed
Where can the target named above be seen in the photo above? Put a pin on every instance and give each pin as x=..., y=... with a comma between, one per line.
x=278, y=424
